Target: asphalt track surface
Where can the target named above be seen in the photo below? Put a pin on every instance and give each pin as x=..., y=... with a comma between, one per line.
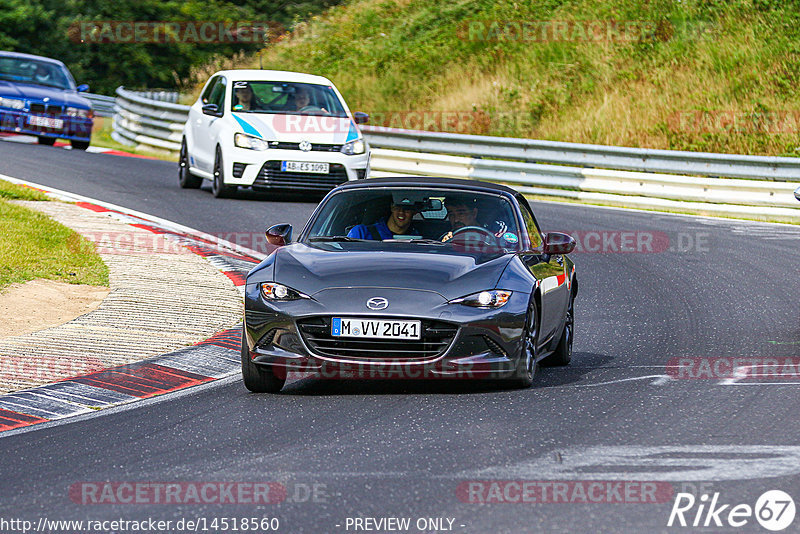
x=383, y=449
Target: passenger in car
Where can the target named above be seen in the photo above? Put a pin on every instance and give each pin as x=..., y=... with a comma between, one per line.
x=246, y=100
x=398, y=222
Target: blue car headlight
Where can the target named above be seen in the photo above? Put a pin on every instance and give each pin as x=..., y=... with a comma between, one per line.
x=13, y=103
x=354, y=147
x=489, y=299
x=275, y=291
x=78, y=112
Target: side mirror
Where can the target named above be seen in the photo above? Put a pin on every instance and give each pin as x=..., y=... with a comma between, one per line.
x=211, y=109
x=82, y=88
x=279, y=235
x=361, y=117
x=797, y=193
x=558, y=243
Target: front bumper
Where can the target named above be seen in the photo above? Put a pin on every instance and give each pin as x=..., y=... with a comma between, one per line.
x=483, y=343
x=262, y=169
x=73, y=128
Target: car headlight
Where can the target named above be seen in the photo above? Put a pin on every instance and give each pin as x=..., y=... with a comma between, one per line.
x=78, y=112
x=13, y=103
x=276, y=291
x=250, y=142
x=493, y=298
x=354, y=147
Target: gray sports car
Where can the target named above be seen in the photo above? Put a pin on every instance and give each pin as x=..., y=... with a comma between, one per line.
x=411, y=278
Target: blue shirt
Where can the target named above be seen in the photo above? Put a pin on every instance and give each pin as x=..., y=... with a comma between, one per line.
x=361, y=231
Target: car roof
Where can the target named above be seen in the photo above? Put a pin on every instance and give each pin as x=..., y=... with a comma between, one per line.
x=20, y=55
x=416, y=181
x=257, y=75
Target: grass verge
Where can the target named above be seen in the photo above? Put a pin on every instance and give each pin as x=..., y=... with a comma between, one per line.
x=34, y=246
x=699, y=75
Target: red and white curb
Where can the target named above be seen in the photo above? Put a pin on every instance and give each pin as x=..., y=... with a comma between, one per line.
x=213, y=359
x=31, y=140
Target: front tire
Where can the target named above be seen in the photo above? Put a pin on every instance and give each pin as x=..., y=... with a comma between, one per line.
x=78, y=145
x=186, y=179
x=218, y=187
x=47, y=141
x=563, y=353
x=258, y=379
x=527, y=365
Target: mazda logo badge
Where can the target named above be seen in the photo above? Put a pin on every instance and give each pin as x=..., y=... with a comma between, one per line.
x=377, y=303
x=305, y=146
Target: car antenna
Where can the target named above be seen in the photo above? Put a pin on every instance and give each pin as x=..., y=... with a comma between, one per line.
x=260, y=64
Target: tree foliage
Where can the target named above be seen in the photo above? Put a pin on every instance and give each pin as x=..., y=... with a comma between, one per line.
x=52, y=28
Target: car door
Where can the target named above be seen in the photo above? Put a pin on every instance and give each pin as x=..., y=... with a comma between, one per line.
x=203, y=147
x=551, y=274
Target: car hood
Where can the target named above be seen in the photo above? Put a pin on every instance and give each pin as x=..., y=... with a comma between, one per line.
x=297, y=128
x=452, y=275
x=37, y=93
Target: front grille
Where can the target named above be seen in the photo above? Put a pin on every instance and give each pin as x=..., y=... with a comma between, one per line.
x=271, y=176
x=44, y=109
x=436, y=338
x=315, y=147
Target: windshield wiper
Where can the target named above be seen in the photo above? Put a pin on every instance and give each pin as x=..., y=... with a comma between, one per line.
x=335, y=238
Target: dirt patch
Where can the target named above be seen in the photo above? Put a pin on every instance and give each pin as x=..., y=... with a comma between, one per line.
x=40, y=304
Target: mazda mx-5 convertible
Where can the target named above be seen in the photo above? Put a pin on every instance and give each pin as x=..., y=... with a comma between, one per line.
x=411, y=278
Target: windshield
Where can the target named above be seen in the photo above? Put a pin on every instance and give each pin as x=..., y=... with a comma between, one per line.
x=464, y=221
x=286, y=99
x=24, y=70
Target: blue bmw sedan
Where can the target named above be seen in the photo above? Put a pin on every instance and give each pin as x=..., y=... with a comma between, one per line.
x=38, y=96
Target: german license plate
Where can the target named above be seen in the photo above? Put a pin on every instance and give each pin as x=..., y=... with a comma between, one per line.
x=47, y=122
x=375, y=328
x=305, y=166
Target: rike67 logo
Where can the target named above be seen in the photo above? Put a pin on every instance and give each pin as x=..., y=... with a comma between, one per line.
x=774, y=510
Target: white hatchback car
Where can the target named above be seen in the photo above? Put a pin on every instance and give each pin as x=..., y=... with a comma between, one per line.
x=271, y=130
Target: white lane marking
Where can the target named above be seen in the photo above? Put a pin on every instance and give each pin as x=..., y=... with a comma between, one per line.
x=744, y=372
x=659, y=381
x=659, y=463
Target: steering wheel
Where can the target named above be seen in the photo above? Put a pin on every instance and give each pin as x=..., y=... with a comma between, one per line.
x=486, y=237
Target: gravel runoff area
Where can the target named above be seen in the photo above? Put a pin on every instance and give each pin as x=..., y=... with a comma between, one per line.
x=163, y=297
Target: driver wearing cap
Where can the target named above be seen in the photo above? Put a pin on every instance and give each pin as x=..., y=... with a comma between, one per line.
x=398, y=222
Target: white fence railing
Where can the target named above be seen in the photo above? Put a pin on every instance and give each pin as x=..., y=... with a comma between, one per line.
x=721, y=184
x=763, y=187
x=582, y=155
x=102, y=105
x=146, y=123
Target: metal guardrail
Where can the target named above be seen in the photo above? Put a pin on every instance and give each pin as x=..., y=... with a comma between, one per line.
x=102, y=105
x=148, y=124
x=755, y=186
x=759, y=195
x=161, y=95
x=582, y=155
